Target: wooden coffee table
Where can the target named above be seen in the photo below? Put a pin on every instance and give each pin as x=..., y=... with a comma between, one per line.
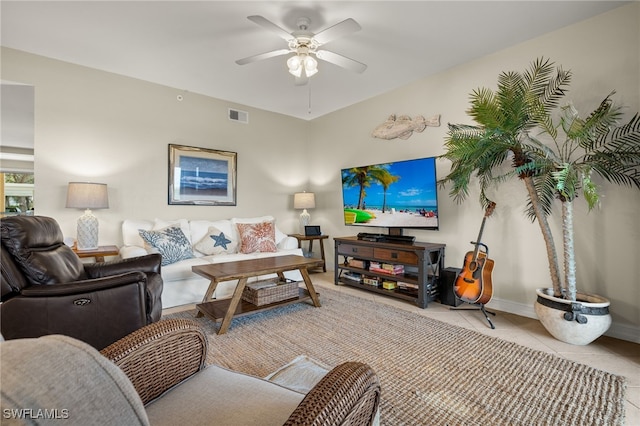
x=225, y=309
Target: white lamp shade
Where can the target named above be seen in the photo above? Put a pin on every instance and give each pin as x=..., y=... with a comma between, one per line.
x=304, y=200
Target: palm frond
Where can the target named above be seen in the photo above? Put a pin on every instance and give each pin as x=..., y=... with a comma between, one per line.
x=567, y=179
x=616, y=168
x=484, y=109
x=590, y=191
x=618, y=156
x=625, y=138
x=545, y=190
x=598, y=124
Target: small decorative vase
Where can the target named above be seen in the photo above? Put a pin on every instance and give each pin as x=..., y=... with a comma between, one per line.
x=577, y=323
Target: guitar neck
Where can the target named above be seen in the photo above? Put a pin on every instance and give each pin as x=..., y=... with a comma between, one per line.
x=477, y=243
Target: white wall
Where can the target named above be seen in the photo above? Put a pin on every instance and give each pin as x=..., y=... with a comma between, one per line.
x=93, y=125
x=96, y=126
x=603, y=54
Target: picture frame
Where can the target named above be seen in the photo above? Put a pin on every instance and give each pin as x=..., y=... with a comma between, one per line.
x=202, y=176
x=312, y=231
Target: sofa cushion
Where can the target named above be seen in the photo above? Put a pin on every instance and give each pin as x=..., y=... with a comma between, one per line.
x=170, y=242
x=259, y=237
x=216, y=242
x=66, y=375
x=224, y=398
x=130, y=231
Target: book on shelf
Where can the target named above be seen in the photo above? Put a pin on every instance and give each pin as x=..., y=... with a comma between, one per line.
x=389, y=285
x=358, y=263
x=406, y=285
x=385, y=271
x=352, y=276
x=370, y=280
x=394, y=269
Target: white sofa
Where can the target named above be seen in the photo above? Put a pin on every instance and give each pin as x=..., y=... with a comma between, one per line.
x=181, y=285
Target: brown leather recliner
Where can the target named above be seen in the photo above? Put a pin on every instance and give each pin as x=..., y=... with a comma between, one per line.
x=46, y=289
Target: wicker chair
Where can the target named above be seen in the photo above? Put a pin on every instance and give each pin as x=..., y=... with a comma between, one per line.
x=163, y=355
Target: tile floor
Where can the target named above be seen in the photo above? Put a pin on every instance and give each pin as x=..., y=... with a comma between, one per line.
x=613, y=355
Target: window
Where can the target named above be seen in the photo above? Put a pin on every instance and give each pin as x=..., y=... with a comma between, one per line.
x=17, y=193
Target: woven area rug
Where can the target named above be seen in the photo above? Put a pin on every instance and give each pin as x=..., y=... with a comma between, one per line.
x=431, y=373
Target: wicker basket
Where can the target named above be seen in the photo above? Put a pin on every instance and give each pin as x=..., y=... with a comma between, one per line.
x=264, y=292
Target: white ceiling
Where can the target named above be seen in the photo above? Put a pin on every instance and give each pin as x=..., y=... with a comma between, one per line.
x=192, y=46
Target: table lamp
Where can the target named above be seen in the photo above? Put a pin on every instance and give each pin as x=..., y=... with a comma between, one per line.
x=304, y=201
x=87, y=195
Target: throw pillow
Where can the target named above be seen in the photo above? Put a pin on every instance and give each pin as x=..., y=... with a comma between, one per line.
x=279, y=234
x=257, y=237
x=170, y=242
x=216, y=242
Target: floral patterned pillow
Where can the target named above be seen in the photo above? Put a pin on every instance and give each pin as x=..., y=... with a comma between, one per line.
x=170, y=242
x=257, y=237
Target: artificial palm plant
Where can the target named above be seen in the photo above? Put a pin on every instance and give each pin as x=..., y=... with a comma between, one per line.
x=516, y=123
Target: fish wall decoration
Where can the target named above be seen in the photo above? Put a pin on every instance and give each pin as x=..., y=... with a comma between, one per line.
x=402, y=127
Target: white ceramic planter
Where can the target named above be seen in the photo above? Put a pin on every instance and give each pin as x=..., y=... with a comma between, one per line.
x=577, y=323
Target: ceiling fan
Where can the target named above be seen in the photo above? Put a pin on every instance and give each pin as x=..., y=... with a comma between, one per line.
x=305, y=45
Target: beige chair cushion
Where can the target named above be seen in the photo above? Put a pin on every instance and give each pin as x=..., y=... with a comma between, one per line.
x=57, y=377
x=224, y=398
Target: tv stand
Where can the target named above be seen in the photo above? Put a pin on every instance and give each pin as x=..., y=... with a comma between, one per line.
x=408, y=270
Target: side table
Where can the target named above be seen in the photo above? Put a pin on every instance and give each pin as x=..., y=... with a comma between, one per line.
x=311, y=239
x=99, y=253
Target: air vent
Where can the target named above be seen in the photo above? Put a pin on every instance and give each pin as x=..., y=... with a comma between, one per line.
x=237, y=115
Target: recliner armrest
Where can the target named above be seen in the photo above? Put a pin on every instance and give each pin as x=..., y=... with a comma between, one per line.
x=149, y=264
x=83, y=286
x=160, y=355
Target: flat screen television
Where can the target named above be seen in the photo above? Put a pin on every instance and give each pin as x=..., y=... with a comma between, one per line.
x=398, y=195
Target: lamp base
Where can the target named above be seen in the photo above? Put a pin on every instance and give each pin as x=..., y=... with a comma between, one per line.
x=305, y=218
x=87, y=233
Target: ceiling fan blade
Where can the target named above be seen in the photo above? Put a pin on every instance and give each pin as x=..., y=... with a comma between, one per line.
x=262, y=56
x=341, y=61
x=302, y=80
x=267, y=24
x=340, y=29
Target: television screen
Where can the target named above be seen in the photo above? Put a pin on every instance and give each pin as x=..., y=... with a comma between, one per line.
x=402, y=194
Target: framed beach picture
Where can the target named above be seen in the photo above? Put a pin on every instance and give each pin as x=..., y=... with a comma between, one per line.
x=201, y=176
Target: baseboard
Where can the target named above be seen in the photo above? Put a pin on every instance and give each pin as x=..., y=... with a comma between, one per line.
x=624, y=332
x=617, y=331
x=513, y=307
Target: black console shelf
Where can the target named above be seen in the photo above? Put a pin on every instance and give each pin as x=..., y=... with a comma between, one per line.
x=422, y=263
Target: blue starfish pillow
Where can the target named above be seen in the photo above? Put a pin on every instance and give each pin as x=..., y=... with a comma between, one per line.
x=216, y=242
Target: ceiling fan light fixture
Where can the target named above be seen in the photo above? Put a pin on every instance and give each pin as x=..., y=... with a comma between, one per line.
x=310, y=65
x=300, y=62
x=295, y=65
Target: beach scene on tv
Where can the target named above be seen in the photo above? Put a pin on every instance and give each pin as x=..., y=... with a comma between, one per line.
x=398, y=194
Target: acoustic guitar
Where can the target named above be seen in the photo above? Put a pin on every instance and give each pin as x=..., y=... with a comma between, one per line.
x=473, y=284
